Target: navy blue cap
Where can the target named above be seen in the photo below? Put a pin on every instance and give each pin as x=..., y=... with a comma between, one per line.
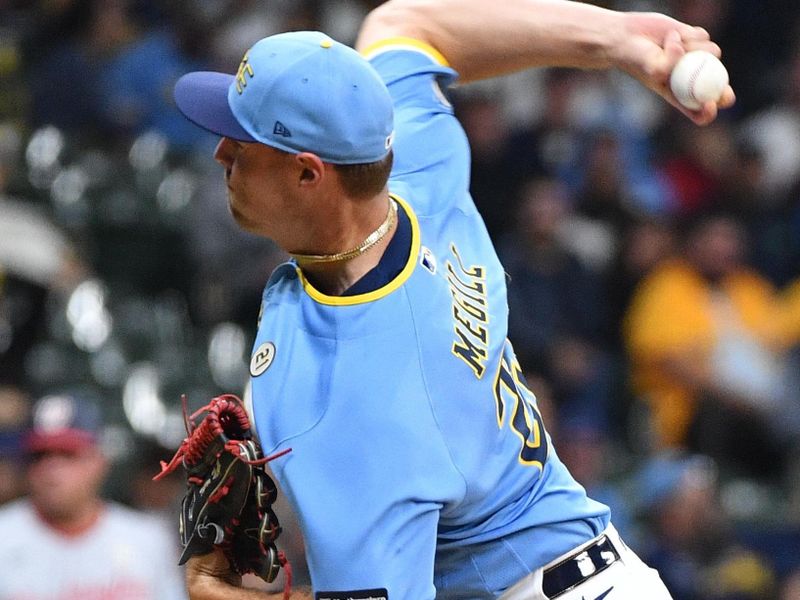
x=64, y=422
x=297, y=92
x=202, y=97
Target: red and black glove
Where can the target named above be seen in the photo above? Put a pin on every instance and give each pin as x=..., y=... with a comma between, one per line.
x=229, y=496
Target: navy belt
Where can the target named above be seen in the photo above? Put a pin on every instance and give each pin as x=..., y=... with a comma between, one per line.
x=578, y=567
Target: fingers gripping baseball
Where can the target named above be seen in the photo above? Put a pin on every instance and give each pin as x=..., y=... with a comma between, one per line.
x=694, y=41
x=652, y=47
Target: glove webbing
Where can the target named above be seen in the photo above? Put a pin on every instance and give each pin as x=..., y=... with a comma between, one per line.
x=226, y=420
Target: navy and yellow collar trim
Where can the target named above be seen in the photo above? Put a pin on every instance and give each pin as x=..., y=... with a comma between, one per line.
x=381, y=291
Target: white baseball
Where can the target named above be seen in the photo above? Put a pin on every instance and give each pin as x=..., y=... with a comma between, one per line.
x=697, y=78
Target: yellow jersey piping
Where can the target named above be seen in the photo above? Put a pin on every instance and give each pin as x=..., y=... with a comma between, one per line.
x=381, y=291
x=404, y=43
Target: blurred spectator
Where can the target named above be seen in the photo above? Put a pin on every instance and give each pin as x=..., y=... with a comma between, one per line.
x=775, y=132
x=709, y=14
x=772, y=220
x=494, y=168
x=590, y=456
x=690, y=542
x=701, y=339
x=604, y=204
x=161, y=498
x=107, y=74
x=504, y=158
x=548, y=285
x=743, y=189
x=645, y=244
x=777, y=232
x=791, y=587
x=64, y=541
x=553, y=323
x=13, y=419
x=604, y=195
x=698, y=166
x=552, y=144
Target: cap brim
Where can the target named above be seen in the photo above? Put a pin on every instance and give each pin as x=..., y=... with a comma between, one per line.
x=202, y=97
x=69, y=440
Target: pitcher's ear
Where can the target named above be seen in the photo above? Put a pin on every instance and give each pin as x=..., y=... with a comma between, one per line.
x=313, y=169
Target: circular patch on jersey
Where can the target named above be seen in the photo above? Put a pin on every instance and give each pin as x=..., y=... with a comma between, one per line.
x=262, y=358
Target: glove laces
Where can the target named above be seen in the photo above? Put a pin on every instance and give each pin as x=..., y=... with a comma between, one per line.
x=227, y=415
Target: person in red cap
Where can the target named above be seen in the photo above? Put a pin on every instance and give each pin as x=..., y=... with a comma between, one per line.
x=64, y=541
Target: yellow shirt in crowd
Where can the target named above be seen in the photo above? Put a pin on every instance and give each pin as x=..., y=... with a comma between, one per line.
x=675, y=313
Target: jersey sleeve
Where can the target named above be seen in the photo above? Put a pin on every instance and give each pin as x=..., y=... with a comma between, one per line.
x=431, y=153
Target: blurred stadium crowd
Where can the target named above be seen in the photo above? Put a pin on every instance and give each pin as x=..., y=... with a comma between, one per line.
x=653, y=266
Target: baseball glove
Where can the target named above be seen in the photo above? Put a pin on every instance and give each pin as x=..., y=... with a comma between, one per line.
x=229, y=496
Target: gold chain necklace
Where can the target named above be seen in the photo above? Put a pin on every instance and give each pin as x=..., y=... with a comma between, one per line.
x=372, y=239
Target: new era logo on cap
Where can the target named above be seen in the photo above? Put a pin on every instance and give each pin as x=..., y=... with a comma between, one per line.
x=281, y=129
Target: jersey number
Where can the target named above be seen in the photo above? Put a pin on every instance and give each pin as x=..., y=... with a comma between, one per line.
x=516, y=401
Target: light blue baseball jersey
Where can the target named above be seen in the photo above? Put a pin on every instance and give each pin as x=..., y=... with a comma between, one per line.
x=420, y=466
